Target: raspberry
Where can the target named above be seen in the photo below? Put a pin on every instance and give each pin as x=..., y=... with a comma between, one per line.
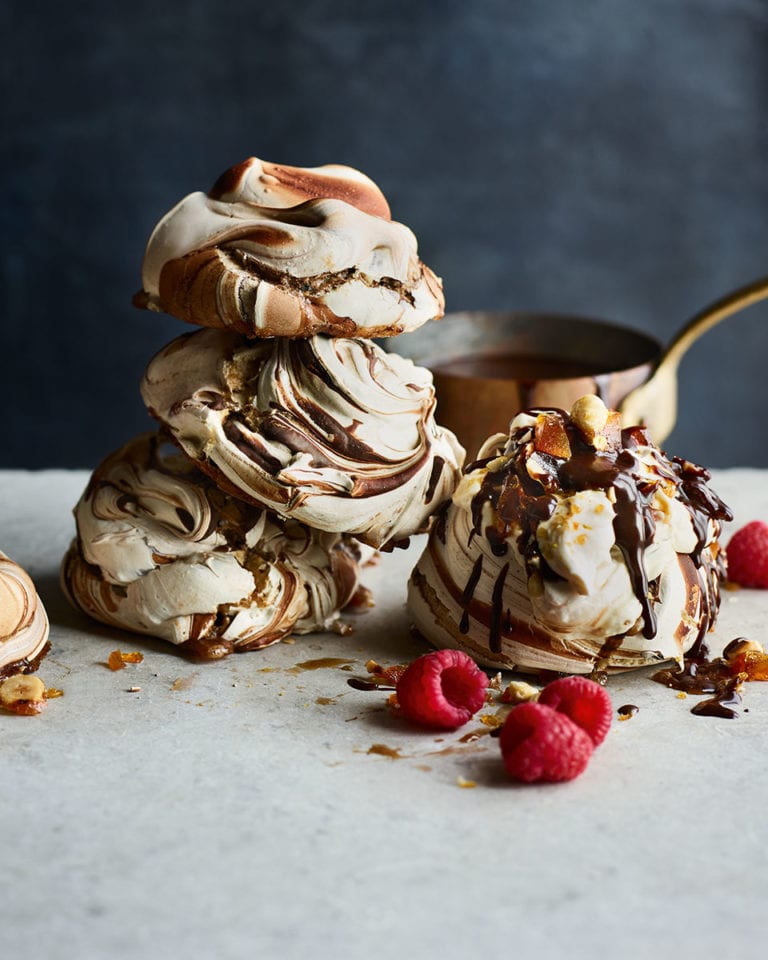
x=747, y=554
x=442, y=689
x=583, y=701
x=539, y=743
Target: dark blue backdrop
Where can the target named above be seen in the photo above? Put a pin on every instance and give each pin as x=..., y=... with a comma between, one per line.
x=606, y=157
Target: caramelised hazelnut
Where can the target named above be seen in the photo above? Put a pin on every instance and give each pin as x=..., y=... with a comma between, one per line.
x=518, y=691
x=600, y=427
x=740, y=646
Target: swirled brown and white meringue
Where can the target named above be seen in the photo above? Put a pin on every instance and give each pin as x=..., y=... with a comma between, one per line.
x=289, y=252
x=333, y=432
x=23, y=621
x=160, y=550
x=572, y=548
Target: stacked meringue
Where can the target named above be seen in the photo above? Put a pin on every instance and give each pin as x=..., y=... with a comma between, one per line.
x=297, y=438
x=572, y=545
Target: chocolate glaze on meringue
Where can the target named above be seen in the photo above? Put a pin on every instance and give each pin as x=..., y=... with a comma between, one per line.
x=333, y=432
x=161, y=550
x=289, y=252
x=23, y=621
x=572, y=549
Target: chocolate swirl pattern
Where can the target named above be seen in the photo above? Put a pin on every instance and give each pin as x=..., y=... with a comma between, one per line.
x=333, y=432
x=23, y=621
x=572, y=545
x=160, y=550
x=281, y=251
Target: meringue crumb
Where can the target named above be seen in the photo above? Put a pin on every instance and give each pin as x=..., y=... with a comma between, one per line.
x=518, y=691
x=133, y=690
x=466, y=784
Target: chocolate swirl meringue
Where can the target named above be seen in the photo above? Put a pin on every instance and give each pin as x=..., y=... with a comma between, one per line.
x=333, y=432
x=23, y=621
x=572, y=545
x=289, y=252
x=160, y=550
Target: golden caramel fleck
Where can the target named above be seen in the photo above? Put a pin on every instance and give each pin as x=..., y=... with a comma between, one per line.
x=53, y=692
x=382, y=750
x=491, y=720
x=466, y=784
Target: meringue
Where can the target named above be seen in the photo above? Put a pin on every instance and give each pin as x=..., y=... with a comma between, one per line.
x=572, y=545
x=335, y=433
x=23, y=621
x=289, y=252
x=160, y=550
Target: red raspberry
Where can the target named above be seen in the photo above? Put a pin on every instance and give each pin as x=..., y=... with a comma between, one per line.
x=539, y=743
x=442, y=689
x=583, y=701
x=747, y=554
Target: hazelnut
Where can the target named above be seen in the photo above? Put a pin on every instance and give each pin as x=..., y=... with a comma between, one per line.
x=518, y=691
x=591, y=415
x=740, y=646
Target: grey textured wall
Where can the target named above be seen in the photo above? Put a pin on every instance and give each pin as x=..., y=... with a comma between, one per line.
x=606, y=157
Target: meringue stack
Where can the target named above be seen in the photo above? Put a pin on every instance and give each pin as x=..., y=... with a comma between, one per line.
x=290, y=443
x=572, y=545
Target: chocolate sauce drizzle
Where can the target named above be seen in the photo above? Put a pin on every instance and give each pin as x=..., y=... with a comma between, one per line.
x=701, y=674
x=520, y=502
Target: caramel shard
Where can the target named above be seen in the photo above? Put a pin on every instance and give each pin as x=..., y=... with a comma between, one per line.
x=549, y=436
x=117, y=659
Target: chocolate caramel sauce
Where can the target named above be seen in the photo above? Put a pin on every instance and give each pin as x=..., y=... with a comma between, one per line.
x=359, y=683
x=520, y=502
x=506, y=366
x=627, y=711
x=469, y=591
x=434, y=478
x=699, y=675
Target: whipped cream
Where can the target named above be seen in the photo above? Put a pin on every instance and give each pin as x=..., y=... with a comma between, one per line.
x=160, y=550
x=333, y=432
x=23, y=621
x=572, y=547
x=281, y=251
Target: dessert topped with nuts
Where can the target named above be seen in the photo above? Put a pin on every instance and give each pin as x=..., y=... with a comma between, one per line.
x=573, y=545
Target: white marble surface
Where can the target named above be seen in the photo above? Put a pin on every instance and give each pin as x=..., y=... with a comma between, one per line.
x=238, y=817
